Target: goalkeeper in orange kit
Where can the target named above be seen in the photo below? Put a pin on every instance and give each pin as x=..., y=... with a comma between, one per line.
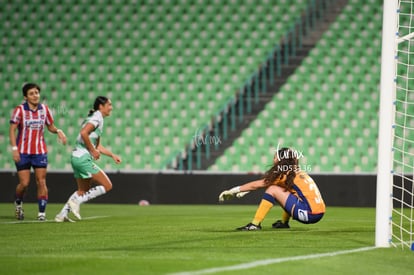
x=294, y=190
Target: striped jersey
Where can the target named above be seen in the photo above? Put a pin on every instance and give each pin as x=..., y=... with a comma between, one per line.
x=306, y=190
x=31, y=124
x=96, y=119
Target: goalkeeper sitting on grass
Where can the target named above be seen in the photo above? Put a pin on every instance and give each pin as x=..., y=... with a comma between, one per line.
x=286, y=185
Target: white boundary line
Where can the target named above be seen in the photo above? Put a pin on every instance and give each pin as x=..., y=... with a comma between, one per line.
x=52, y=221
x=272, y=261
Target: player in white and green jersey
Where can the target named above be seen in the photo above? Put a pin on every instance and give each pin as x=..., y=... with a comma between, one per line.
x=81, y=160
x=88, y=149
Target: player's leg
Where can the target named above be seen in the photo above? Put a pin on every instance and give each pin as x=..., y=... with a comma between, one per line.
x=39, y=164
x=274, y=194
x=104, y=185
x=284, y=222
x=42, y=192
x=23, y=173
x=63, y=215
x=83, y=186
x=24, y=180
x=87, y=172
x=83, y=169
x=75, y=199
x=85, y=193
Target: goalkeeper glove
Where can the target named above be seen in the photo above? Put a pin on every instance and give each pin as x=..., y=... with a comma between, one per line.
x=229, y=194
x=242, y=194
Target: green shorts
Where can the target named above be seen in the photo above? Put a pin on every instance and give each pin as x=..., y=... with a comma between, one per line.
x=84, y=167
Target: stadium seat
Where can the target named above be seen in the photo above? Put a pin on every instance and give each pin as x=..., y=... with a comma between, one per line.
x=333, y=109
x=154, y=49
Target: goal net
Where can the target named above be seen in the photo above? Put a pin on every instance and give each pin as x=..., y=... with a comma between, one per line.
x=403, y=139
x=395, y=171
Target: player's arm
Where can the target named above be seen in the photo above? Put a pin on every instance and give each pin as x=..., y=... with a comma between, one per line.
x=242, y=190
x=61, y=135
x=12, y=137
x=108, y=153
x=84, y=133
x=253, y=185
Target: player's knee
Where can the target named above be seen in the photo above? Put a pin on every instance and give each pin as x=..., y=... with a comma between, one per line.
x=41, y=181
x=24, y=180
x=24, y=183
x=108, y=187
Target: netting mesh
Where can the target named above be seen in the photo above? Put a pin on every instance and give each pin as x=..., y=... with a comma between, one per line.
x=403, y=148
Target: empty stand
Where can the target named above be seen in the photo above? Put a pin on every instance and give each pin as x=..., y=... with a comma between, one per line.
x=328, y=108
x=170, y=67
x=167, y=67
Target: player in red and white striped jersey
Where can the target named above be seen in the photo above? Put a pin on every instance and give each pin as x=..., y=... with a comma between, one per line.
x=29, y=148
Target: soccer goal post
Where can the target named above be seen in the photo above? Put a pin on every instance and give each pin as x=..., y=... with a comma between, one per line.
x=395, y=171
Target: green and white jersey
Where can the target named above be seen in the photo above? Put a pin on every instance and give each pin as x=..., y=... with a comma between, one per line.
x=96, y=119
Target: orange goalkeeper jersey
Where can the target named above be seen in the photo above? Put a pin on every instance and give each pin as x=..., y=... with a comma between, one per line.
x=306, y=189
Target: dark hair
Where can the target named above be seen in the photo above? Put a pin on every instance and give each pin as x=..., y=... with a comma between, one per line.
x=27, y=86
x=100, y=100
x=286, y=166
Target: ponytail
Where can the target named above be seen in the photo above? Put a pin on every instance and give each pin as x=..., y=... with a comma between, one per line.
x=100, y=100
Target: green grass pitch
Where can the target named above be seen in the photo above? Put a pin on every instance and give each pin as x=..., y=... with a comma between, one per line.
x=193, y=239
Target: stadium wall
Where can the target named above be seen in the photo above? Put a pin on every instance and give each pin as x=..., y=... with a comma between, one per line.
x=356, y=190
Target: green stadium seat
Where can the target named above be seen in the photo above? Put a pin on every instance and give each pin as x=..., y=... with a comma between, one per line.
x=335, y=103
x=143, y=52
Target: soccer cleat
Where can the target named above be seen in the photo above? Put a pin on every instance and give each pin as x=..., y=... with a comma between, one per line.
x=41, y=217
x=19, y=211
x=61, y=218
x=279, y=224
x=250, y=227
x=74, y=207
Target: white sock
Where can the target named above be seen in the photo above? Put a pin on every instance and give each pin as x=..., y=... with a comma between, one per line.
x=92, y=193
x=74, y=196
x=65, y=210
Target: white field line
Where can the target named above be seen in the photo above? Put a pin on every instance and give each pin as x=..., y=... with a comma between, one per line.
x=271, y=261
x=52, y=221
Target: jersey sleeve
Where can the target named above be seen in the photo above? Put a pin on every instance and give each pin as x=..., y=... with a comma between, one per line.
x=49, y=116
x=95, y=120
x=16, y=115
